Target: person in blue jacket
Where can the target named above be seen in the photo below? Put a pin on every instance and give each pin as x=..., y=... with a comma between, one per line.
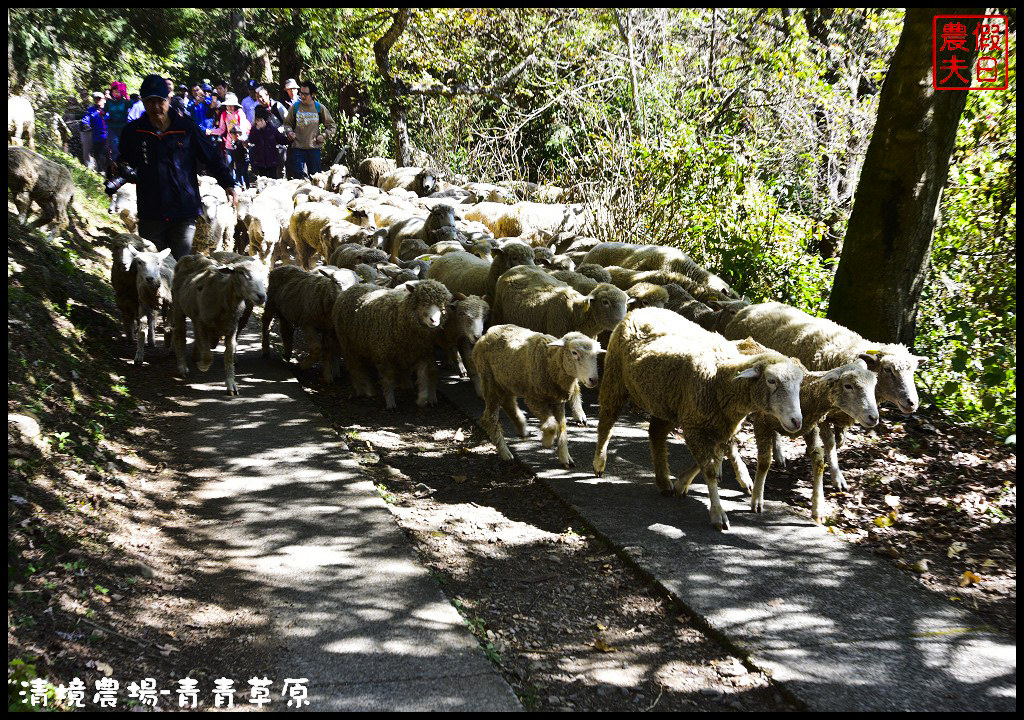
x=95, y=122
x=164, y=149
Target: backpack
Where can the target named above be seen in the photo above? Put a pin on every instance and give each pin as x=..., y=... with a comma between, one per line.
x=295, y=112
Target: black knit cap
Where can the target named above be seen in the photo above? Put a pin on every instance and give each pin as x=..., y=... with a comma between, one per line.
x=153, y=86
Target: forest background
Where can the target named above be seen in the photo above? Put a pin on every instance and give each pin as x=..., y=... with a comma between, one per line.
x=737, y=135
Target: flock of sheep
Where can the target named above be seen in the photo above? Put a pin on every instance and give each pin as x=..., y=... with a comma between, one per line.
x=387, y=266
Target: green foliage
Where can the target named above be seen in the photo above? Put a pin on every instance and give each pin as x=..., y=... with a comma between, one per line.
x=968, y=320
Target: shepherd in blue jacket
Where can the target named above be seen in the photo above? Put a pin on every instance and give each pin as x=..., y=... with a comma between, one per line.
x=163, y=149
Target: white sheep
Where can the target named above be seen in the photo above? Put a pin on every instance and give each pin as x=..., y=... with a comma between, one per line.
x=470, y=275
x=305, y=300
x=420, y=181
x=395, y=331
x=513, y=362
x=822, y=344
x=849, y=388
x=438, y=226
x=530, y=298
x=371, y=170
x=215, y=296
x=215, y=226
x=33, y=178
x=688, y=378
x=307, y=227
x=463, y=326
x=141, y=278
x=125, y=204
x=268, y=232
x=21, y=122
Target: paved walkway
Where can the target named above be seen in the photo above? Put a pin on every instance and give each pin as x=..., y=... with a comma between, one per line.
x=285, y=511
x=841, y=629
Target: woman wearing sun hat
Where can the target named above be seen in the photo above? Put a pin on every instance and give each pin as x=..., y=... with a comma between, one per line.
x=234, y=128
x=162, y=149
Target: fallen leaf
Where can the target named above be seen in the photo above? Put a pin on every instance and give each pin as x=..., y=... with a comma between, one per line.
x=600, y=644
x=601, y=627
x=892, y=501
x=921, y=566
x=955, y=549
x=884, y=521
x=459, y=479
x=105, y=669
x=969, y=578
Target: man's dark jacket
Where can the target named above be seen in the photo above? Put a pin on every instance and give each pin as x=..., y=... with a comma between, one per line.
x=165, y=165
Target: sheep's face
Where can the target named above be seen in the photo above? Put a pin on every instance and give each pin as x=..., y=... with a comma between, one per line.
x=431, y=306
x=469, y=316
x=579, y=357
x=250, y=280
x=895, y=378
x=147, y=266
x=853, y=388
x=608, y=304
x=776, y=390
x=210, y=204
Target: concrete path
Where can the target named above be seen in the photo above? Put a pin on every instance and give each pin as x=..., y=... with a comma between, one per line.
x=841, y=629
x=288, y=515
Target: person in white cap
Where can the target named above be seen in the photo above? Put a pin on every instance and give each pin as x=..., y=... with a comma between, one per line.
x=234, y=128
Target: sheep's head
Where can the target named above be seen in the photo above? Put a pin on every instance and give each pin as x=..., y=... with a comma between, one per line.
x=595, y=272
x=250, y=279
x=852, y=388
x=646, y=294
x=513, y=253
x=895, y=366
x=607, y=304
x=579, y=356
x=430, y=300
x=147, y=265
x=469, y=315
x=775, y=388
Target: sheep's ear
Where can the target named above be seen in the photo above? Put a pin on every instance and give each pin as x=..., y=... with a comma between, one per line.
x=162, y=255
x=226, y=269
x=921, y=359
x=128, y=256
x=752, y=373
x=631, y=302
x=459, y=296
x=557, y=343
x=871, y=361
x=600, y=351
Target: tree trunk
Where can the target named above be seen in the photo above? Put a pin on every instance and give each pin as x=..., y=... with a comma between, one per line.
x=399, y=124
x=885, y=255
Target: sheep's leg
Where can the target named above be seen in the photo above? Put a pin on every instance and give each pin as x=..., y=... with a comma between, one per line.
x=268, y=318
x=611, y=401
x=658, y=433
x=832, y=441
x=205, y=341
x=765, y=443
x=229, y=362
x=178, y=337
x=712, y=470
x=426, y=390
x=489, y=422
x=140, y=343
x=683, y=481
x=780, y=458
x=816, y=454
x=361, y=383
x=151, y=327
x=563, y=439
x=287, y=331
x=511, y=408
x=330, y=354
x=315, y=353
x=576, y=405
x=388, y=378
x=738, y=466
x=244, y=320
x=23, y=201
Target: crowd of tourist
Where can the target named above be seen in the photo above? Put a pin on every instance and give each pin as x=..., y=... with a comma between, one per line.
x=256, y=135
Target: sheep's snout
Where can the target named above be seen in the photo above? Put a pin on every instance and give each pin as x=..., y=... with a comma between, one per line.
x=591, y=381
x=793, y=423
x=869, y=421
x=907, y=405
